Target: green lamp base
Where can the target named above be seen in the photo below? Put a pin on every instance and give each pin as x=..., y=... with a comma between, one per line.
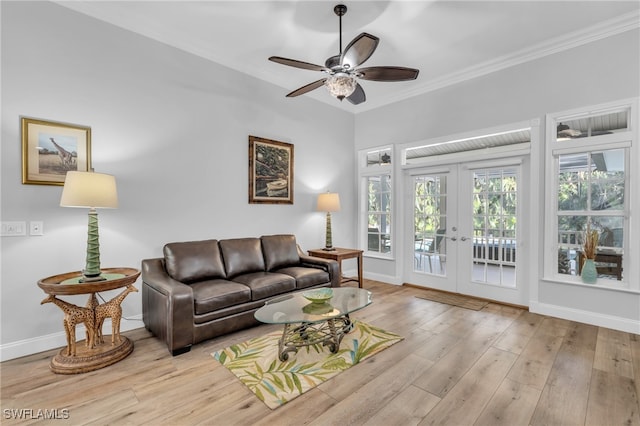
x=92, y=272
x=328, y=240
x=91, y=278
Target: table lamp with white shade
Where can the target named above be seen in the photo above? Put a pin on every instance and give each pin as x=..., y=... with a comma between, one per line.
x=328, y=202
x=90, y=190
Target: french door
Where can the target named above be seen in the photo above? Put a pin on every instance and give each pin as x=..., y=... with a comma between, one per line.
x=463, y=232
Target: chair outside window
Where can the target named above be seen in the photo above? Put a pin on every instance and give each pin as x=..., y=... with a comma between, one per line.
x=373, y=238
x=429, y=248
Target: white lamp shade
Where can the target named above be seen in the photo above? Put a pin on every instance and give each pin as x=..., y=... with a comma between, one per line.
x=329, y=202
x=89, y=189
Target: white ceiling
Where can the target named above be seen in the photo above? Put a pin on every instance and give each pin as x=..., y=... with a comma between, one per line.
x=448, y=41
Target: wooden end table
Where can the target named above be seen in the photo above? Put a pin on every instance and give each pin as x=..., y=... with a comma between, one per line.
x=610, y=258
x=339, y=254
x=97, y=351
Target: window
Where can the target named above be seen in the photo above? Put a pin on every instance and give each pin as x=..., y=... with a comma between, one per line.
x=377, y=203
x=475, y=146
x=379, y=213
x=591, y=193
x=602, y=124
x=590, y=185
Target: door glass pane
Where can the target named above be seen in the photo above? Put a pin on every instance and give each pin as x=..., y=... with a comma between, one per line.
x=494, y=227
x=430, y=224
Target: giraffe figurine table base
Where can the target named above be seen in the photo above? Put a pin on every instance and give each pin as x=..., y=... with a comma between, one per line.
x=85, y=360
x=100, y=351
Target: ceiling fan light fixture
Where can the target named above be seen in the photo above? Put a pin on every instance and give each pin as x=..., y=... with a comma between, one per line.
x=343, y=68
x=341, y=85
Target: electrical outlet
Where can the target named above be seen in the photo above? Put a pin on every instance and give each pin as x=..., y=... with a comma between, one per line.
x=14, y=229
x=36, y=228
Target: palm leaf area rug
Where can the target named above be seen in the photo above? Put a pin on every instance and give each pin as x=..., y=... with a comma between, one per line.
x=255, y=362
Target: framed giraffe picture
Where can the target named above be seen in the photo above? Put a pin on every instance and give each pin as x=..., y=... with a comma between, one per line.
x=51, y=149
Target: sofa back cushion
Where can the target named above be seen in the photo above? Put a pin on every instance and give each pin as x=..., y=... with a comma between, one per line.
x=280, y=251
x=194, y=261
x=242, y=256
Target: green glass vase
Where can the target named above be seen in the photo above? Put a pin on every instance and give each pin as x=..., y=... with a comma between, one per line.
x=589, y=273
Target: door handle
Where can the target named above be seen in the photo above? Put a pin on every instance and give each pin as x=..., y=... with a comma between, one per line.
x=464, y=238
x=454, y=239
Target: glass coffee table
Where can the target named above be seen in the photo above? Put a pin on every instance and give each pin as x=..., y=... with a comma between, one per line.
x=307, y=323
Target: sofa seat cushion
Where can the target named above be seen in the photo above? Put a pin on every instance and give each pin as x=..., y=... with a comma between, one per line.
x=212, y=295
x=306, y=277
x=266, y=284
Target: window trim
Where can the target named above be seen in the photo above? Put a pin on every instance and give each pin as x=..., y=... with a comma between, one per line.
x=626, y=140
x=364, y=172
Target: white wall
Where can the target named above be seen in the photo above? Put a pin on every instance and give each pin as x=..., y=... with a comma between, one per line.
x=173, y=128
x=603, y=71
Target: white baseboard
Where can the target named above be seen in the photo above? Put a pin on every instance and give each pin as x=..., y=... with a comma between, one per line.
x=373, y=276
x=601, y=320
x=380, y=277
x=38, y=344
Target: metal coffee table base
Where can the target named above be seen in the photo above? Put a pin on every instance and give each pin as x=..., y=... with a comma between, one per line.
x=329, y=333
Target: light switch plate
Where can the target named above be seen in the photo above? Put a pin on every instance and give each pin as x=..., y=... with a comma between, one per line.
x=14, y=229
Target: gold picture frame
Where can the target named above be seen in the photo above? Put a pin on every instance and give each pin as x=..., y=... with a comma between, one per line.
x=50, y=149
x=270, y=171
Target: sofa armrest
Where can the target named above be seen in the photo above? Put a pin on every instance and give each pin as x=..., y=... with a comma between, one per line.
x=167, y=306
x=329, y=265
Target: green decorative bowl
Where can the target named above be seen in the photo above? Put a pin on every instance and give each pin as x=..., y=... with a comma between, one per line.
x=318, y=309
x=321, y=295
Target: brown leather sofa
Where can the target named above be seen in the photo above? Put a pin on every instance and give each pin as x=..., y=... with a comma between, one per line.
x=203, y=289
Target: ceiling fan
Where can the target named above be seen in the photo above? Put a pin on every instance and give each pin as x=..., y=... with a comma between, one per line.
x=341, y=69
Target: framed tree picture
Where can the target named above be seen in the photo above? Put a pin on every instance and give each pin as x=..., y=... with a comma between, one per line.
x=270, y=171
x=51, y=149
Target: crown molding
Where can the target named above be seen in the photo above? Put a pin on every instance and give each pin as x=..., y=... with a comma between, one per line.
x=605, y=29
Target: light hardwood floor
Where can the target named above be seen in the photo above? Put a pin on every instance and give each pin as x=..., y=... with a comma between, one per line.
x=497, y=366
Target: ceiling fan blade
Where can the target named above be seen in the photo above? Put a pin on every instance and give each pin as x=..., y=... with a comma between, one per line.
x=298, y=64
x=358, y=96
x=359, y=50
x=309, y=87
x=388, y=73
